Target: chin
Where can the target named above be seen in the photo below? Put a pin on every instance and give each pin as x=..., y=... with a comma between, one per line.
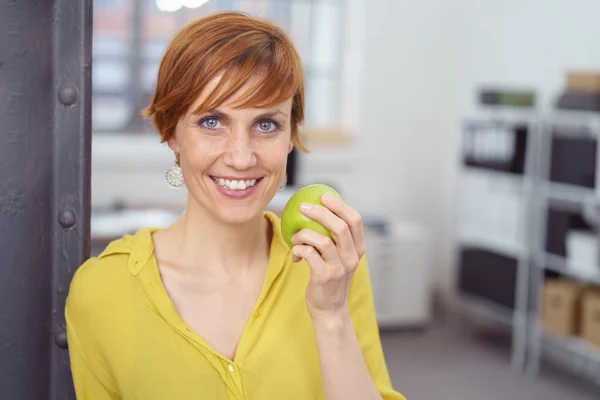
x=238, y=215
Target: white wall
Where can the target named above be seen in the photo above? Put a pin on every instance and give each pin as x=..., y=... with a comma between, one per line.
x=528, y=42
x=406, y=127
x=423, y=63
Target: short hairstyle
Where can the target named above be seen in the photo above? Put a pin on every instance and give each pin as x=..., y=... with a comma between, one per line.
x=237, y=46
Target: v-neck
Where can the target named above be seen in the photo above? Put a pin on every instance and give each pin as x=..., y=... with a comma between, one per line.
x=152, y=282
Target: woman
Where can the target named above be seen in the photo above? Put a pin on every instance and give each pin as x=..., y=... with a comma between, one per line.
x=217, y=306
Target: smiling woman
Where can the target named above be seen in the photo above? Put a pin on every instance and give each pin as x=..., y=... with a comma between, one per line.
x=248, y=83
x=217, y=305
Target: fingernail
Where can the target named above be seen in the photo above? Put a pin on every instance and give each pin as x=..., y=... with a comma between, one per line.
x=327, y=197
x=306, y=206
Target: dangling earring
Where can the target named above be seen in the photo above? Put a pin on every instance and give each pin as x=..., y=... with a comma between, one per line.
x=284, y=183
x=174, y=177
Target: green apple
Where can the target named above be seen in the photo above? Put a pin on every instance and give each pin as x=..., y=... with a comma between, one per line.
x=292, y=219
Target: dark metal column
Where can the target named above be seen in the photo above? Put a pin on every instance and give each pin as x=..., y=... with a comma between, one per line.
x=45, y=125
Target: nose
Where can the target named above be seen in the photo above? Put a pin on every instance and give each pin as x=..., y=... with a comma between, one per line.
x=240, y=153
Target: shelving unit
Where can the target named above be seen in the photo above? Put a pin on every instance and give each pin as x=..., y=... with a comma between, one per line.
x=541, y=191
x=578, y=200
x=488, y=245
x=564, y=267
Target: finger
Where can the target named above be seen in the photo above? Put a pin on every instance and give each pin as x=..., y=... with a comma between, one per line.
x=351, y=217
x=312, y=257
x=338, y=228
x=322, y=243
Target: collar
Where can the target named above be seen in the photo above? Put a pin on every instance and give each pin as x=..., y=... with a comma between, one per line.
x=140, y=247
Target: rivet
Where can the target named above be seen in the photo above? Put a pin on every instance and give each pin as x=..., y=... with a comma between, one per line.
x=68, y=218
x=61, y=340
x=68, y=95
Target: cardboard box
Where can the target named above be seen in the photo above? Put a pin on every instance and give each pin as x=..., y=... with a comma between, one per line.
x=561, y=307
x=590, y=316
x=583, y=81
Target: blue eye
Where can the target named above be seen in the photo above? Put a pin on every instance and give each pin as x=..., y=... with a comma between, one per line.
x=268, y=126
x=209, y=123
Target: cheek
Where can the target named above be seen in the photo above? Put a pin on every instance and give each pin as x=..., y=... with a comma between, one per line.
x=273, y=157
x=201, y=155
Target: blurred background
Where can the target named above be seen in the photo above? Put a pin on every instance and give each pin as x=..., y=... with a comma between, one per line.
x=465, y=132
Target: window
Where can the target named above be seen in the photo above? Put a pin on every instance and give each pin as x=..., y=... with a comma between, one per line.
x=130, y=37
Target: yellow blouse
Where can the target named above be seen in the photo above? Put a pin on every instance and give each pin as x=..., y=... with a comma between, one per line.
x=127, y=341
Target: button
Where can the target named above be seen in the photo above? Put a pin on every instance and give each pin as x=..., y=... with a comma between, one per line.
x=231, y=369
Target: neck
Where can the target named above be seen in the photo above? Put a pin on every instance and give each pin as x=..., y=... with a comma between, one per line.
x=198, y=235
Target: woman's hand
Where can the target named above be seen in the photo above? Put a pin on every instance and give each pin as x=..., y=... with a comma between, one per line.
x=332, y=262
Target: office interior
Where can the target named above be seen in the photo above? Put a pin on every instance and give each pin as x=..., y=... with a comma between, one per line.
x=466, y=135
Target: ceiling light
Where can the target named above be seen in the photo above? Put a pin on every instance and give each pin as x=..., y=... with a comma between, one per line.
x=169, y=5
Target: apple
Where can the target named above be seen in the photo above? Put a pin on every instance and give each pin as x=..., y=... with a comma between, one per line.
x=292, y=219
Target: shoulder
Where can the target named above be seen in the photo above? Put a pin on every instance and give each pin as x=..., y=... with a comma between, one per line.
x=102, y=281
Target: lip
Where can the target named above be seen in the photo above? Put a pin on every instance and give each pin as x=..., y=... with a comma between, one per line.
x=236, y=194
x=236, y=178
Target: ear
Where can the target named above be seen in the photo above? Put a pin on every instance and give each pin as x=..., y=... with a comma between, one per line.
x=172, y=142
x=290, y=147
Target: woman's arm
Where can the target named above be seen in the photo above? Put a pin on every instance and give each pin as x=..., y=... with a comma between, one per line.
x=339, y=300
x=91, y=379
x=343, y=369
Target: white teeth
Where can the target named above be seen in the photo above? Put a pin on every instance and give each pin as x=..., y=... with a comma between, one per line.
x=235, y=184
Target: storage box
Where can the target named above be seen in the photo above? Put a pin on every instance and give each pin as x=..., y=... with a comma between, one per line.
x=590, y=316
x=583, y=81
x=561, y=307
x=582, y=252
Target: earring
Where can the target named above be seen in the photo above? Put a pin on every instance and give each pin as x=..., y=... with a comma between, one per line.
x=284, y=183
x=174, y=177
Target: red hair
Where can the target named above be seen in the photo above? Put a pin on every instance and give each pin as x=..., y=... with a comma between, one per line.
x=238, y=47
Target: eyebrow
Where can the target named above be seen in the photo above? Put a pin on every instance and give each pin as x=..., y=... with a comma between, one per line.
x=273, y=114
x=270, y=114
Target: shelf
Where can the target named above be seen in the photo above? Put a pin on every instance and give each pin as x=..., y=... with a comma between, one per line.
x=575, y=123
x=569, y=193
x=490, y=310
x=573, y=345
x=559, y=264
x=504, y=247
x=506, y=114
x=495, y=177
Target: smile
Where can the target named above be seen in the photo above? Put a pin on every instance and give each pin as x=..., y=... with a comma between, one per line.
x=235, y=184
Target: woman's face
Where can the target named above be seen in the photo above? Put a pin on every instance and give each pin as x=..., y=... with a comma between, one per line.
x=234, y=160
